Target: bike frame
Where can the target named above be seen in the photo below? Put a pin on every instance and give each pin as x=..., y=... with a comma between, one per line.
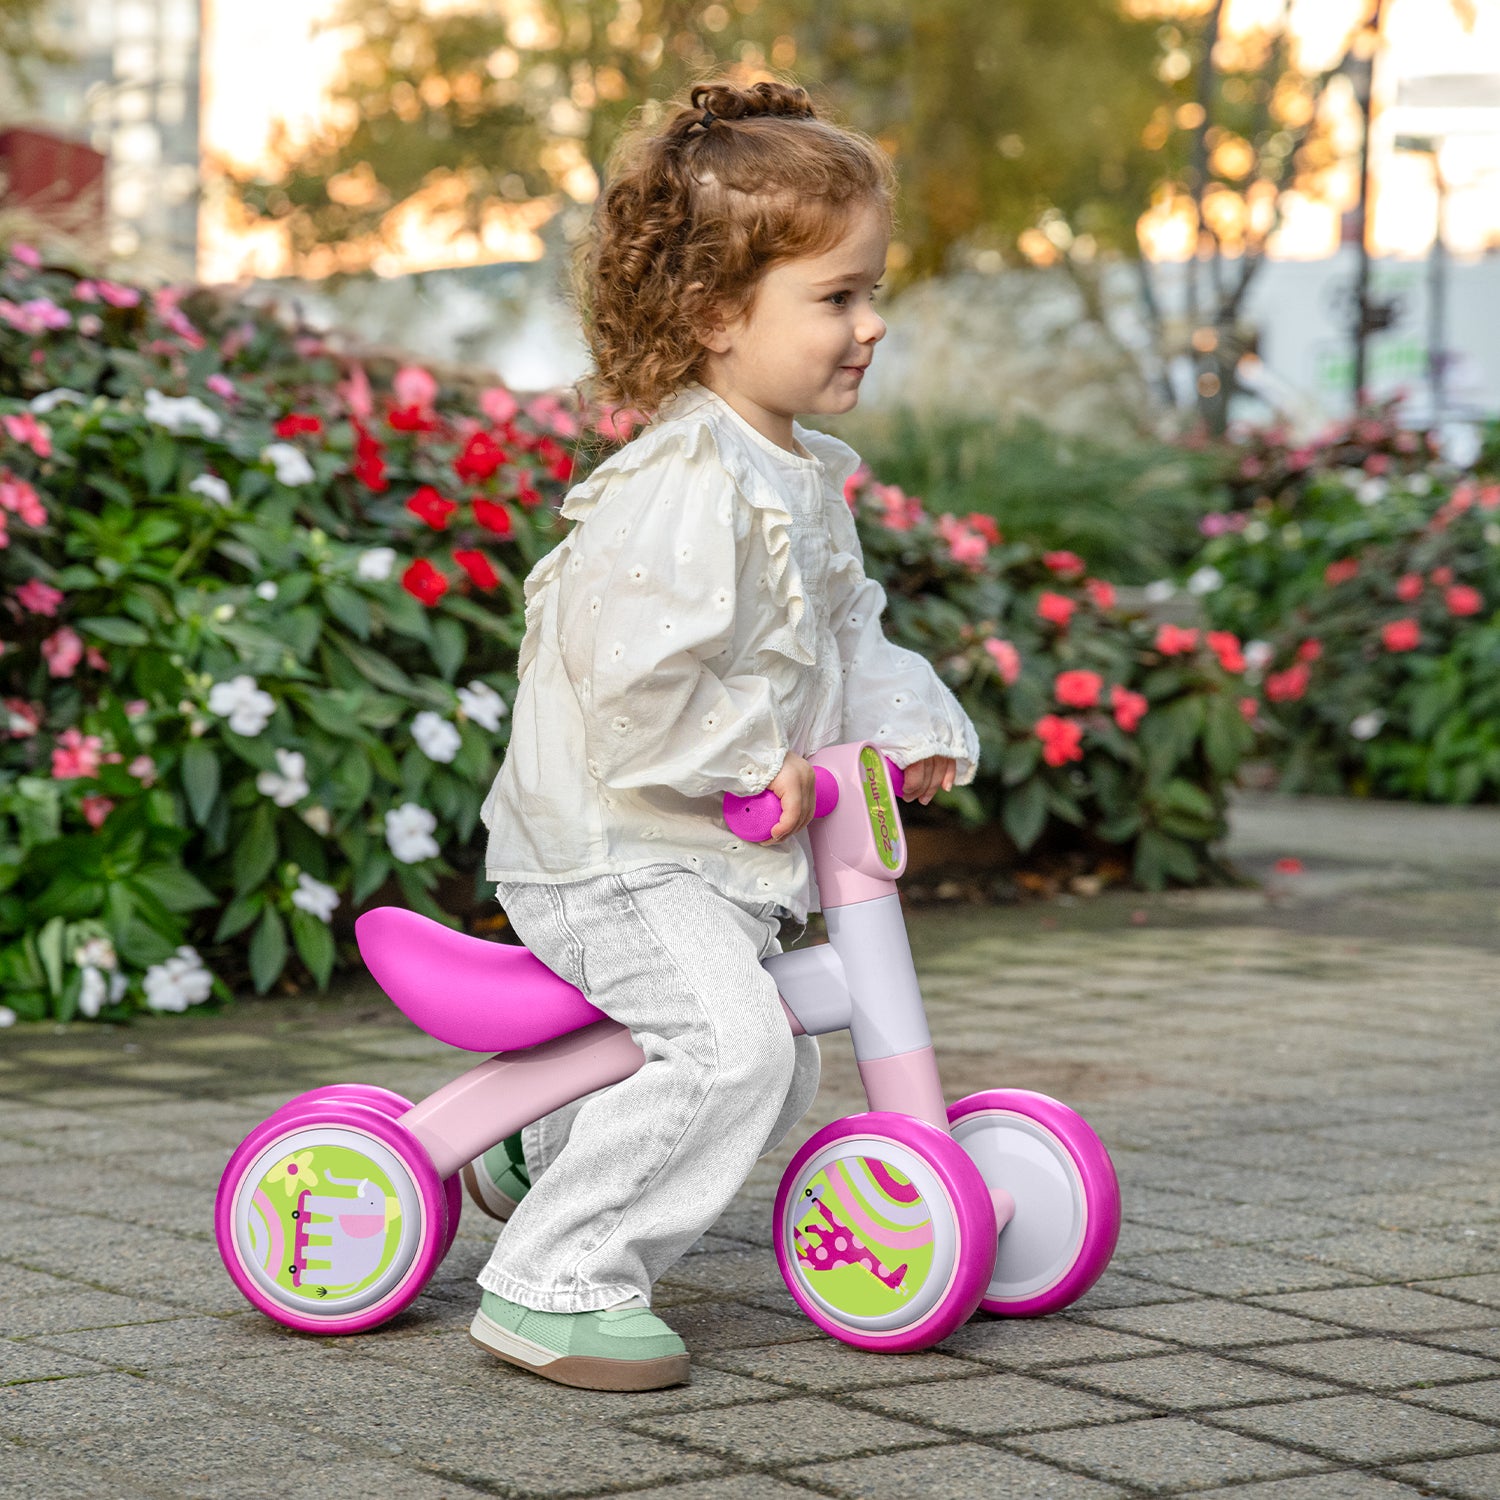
x=862, y=980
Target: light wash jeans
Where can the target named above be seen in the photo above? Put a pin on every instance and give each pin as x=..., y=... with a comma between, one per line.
x=625, y=1179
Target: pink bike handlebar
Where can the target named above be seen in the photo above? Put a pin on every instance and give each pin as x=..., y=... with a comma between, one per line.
x=753, y=818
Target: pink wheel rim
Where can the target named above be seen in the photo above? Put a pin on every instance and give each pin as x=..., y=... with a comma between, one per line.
x=967, y=1204
x=359, y=1120
x=1100, y=1193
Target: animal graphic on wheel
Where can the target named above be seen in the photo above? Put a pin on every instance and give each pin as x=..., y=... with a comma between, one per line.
x=340, y=1239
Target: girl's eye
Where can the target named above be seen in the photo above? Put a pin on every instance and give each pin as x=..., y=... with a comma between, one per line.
x=837, y=295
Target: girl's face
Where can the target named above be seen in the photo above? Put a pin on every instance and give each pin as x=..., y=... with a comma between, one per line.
x=808, y=336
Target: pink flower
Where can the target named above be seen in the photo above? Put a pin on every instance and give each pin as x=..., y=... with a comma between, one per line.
x=1409, y=587
x=118, y=296
x=95, y=658
x=40, y=598
x=1248, y=709
x=1006, y=658
x=500, y=406
x=23, y=427
x=38, y=316
x=26, y=254
x=76, y=754
x=1289, y=865
x=985, y=526
x=1130, y=708
x=90, y=326
x=97, y=809
x=20, y=499
x=1078, y=689
x=1063, y=562
x=143, y=768
x=136, y=707
x=168, y=311
x=1341, y=571
x=22, y=719
x=1225, y=644
x=414, y=386
x=1175, y=640
x=356, y=393
x=1310, y=650
x=854, y=483
x=222, y=386
x=63, y=650
x=1463, y=600
x=1401, y=635
x=1062, y=739
x=1288, y=686
x=1102, y=593
x=1056, y=609
x=547, y=411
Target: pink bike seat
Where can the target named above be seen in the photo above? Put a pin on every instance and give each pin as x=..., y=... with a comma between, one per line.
x=467, y=991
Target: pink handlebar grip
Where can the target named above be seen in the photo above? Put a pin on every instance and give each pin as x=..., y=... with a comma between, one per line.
x=753, y=818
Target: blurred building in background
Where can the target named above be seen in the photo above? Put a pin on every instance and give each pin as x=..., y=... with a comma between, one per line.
x=131, y=93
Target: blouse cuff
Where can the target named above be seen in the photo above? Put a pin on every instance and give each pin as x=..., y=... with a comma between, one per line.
x=909, y=752
x=757, y=773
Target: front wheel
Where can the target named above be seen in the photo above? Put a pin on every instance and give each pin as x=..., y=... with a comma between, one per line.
x=884, y=1232
x=1067, y=1197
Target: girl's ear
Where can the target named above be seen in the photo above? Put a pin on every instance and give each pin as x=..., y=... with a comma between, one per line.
x=713, y=334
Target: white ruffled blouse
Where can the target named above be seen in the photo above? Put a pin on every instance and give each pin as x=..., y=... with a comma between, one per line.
x=708, y=612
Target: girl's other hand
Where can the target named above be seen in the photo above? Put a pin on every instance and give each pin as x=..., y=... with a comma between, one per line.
x=926, y=778
x=795, y=785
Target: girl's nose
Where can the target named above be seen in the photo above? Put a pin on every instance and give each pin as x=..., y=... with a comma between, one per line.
x=872, y=329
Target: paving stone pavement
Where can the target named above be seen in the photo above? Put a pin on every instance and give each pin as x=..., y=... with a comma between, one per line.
x=1297, y=1081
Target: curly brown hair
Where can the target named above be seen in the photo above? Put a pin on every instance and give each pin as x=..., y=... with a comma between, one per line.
x=696, y=211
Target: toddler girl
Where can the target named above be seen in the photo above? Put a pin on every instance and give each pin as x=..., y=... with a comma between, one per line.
x=705, y=626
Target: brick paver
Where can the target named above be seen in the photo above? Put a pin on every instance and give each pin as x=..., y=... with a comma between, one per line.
x=1297, y=1084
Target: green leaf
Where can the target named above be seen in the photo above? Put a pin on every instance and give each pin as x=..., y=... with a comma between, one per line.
x=378, y=669
x=239, y=914
x=49, y=947
x=159, y=461
x=116, y=631
x=1025, y=813
x=370, y=877
x=450, y=643
x=200, y=778
x=268, y=951
x=175, y=887
x=314, y=944
x=256, y=851
x=350, y=608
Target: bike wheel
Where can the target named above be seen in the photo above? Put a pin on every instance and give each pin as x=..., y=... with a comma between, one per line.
x=393, y=1106
x=1067, y=1197
x=305, y=1249
x=884, y=1232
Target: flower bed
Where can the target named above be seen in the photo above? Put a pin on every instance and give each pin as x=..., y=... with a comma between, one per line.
x=263, y=618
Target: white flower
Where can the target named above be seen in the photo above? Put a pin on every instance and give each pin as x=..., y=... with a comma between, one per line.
x=267, y=590
x=1205, y=581
x=1491, y=534
x=376, y=564
x=239, y=700
x=1367, y=726
x=48, y=400
x=317, y=818
x=481, y=703
x=92, y=993
x=408, y=831
x=291, y=464
x=1352, y=477
x=1370, y=491
x=291, y=785
x=1256, y=531
x=97, y=953
x=1160, y=591
x=182, y=414
x=1420, y=484
x=436, y=738
x=179, y=982
x=1258, y=654
x=312, y=895
x=211, y=487
x=7, y=1017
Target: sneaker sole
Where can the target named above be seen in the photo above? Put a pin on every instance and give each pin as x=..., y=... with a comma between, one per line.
x=588, y=1372
x=487, y=1198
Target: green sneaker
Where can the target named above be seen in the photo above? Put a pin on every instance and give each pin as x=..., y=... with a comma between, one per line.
x=625, y=1348
x=498, y=1180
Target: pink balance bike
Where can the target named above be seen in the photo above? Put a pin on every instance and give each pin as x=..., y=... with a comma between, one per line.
x=891, y=1227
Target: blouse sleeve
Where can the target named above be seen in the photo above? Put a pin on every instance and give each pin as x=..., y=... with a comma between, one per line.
x=646, y=612
x=892, y=696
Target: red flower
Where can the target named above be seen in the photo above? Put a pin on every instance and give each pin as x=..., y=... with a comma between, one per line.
x=1409, y=587
x=1289, y=865
x=1006, y=658
x=1341, y=572
x=1442, y=577
x=1130, y=708
x=369, y=458
x=1489, y=497
x=1462, y=600
x=494, y=517
x=482, y=455
x=1288, y=686
x=1248, y=707
x=561, y=468
x=1174, y=640
x=294, y=423
x=1078, y=689
x=1056, y=609
x=527, y=493
x=1102, y=593
x=478, y=567
x=424, y=581
x=1310, y=650
x=429, y=506
x=1225, y=644
x=985, y=526
x=1062, y=739
x=1401, y=635
x=411, y=419
x=1063, y=562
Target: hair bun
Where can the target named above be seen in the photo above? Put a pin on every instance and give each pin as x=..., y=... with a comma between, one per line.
x=729, y=102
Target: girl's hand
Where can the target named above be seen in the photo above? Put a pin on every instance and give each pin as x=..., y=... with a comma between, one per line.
x=925, y=778
x=795, y=785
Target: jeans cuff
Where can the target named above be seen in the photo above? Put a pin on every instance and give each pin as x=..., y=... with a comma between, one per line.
x=579, y=1300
